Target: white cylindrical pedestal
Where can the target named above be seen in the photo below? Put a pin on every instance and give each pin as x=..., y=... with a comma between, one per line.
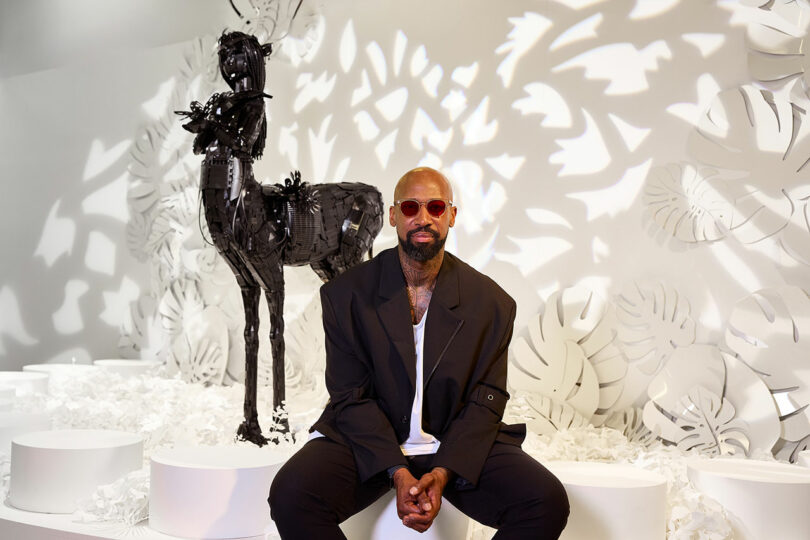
x=51, y=469
x=16, y=423
x=611, y=501
x=380, y=522
x=763, y=499
x=127, y=367
x=61, y=369
x=25, y=382
x=211, y=491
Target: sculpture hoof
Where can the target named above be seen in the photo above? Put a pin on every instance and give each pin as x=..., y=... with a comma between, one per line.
x=251, y=431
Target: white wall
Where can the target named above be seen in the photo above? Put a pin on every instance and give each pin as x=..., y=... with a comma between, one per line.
x=630, y=93
x=77, y=77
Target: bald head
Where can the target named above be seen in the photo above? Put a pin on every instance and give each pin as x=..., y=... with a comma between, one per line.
x=423, y=176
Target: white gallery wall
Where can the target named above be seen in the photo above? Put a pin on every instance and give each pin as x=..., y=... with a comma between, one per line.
x=649, y=152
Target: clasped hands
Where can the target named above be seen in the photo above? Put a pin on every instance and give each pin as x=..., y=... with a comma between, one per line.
x=418, y=501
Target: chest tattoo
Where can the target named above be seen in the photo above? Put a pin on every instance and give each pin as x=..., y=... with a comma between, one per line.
x=420, y=300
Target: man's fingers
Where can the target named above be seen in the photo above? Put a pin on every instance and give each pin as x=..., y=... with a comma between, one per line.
x=414, y=520
x=407, y=508
x=424, y=501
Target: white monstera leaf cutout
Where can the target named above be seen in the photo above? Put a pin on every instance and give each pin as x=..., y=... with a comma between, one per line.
x=145, y=337
x=631, y=424
x=776, y=41
x=753, y=402
x=545, y=416
x=200, y=351
x=548, y=416
x=725, y=383
x=653, y=321
x=572, y=358
x=564, y=375
x=768, y=331
x=763, y=144
x=179, y=303
x=705, y=424
x=682, y=203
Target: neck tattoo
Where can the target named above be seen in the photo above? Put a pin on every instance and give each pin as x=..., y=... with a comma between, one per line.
x=420, y=280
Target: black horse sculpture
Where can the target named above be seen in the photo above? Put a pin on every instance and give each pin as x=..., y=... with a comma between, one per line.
x=259, y=229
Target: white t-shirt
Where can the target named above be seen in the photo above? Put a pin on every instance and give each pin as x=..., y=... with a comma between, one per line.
x=418, y=442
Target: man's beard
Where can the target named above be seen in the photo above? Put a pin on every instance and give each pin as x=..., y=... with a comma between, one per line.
x=422, y=252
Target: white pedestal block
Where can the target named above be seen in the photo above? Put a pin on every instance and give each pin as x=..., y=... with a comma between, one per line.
x=612, y=501
x=763, y=499
x=16, y=423
x=61, y=369
x=212, y=491
x=25, y=382
x=7, y=395
x=380, y=522
x=127, y=367
x=51, y=469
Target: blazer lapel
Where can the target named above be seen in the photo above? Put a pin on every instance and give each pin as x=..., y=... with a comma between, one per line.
x=395, y=312
x=442, y=324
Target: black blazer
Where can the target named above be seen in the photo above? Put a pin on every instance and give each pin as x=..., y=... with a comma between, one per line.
x=371, y=365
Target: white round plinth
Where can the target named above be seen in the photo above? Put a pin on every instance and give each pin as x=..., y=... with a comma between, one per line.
x=380, y=522
x=763, y=499
x=61, y=369
x=211, y=491
x=612, y=501
x=25, y=383
x=17, y=423
x=7, y=395
x=51, y=469
x=127, y=367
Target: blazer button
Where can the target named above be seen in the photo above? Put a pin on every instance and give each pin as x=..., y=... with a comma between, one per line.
x=404, y=419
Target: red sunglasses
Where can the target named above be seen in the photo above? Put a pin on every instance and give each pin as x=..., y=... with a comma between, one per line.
x=435, y=207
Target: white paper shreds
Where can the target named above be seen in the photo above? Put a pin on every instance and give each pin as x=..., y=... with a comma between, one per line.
x=169, y=412
x=690, y=514
x=124, y=501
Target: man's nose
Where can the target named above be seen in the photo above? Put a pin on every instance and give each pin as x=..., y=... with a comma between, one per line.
x=422, y=215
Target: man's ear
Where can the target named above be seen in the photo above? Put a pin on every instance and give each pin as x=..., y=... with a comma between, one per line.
x=391, y=216
x=453, y=211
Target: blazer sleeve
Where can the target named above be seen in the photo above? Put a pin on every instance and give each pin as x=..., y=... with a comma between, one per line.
x=358, y=417
x=466, y=443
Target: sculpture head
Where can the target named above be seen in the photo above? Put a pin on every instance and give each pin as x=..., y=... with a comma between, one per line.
x=422, y=213
x=240, y=56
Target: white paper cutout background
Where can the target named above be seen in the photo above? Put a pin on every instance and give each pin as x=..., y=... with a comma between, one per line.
x=540, y=212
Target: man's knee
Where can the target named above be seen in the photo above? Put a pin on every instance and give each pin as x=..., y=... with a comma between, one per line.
x=557, y=507
x=543, y=515
x=285, y=495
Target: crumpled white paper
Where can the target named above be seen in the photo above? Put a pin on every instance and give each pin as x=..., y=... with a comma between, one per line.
x=124, y=501
x=169, y=412
x=165, y=411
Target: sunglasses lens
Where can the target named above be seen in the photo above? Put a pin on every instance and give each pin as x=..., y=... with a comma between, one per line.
x=436, y=207
x=409, y=208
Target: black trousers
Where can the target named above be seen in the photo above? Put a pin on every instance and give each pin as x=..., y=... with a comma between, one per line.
x=318, y=488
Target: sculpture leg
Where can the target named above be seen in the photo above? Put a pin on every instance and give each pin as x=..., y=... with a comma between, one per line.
x=324, y=270
x=275, y=301
x=250, y=429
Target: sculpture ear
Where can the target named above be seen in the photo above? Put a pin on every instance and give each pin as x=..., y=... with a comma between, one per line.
x=267, y=49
